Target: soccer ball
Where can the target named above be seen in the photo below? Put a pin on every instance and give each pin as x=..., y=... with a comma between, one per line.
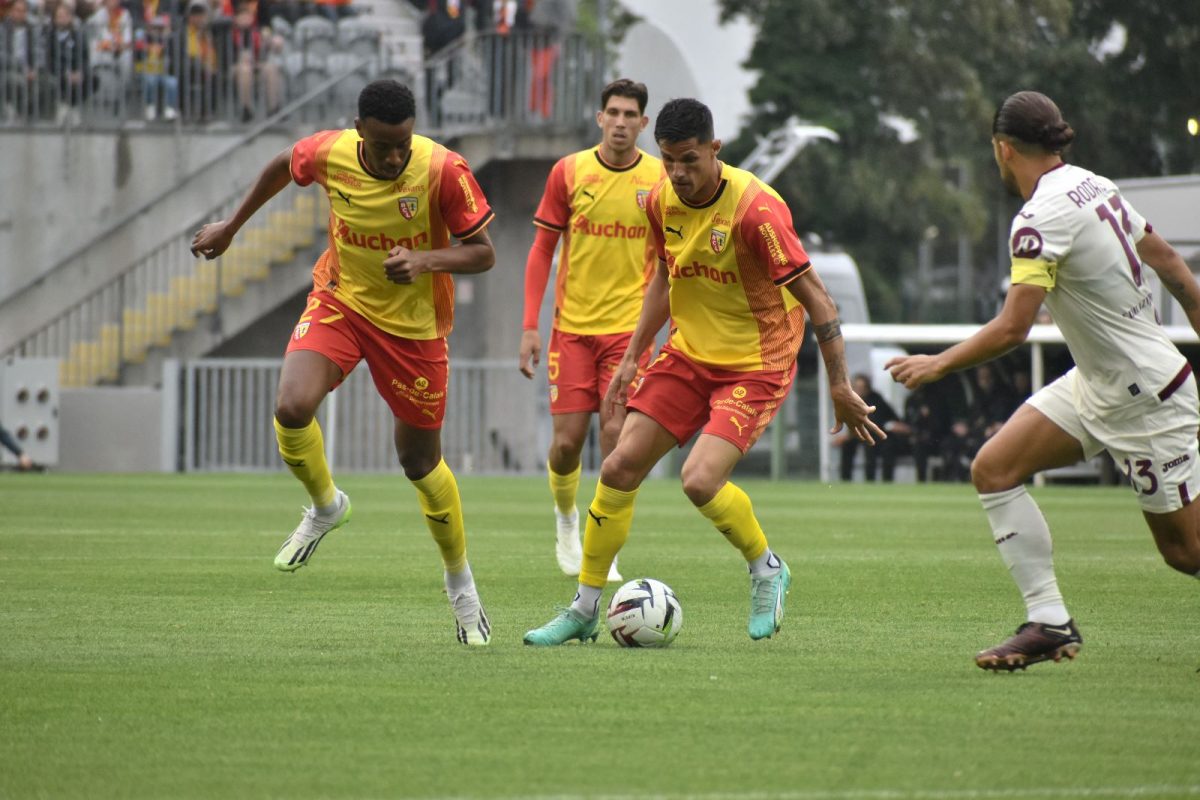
x=644, y=613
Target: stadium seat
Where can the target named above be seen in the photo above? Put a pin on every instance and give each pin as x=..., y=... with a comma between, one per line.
x=317, y=39
x=359, y=37
x=136, y=339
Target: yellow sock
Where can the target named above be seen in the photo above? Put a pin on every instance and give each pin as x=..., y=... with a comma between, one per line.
x=438, y=495
x=608, y=522
x=564, y=488
x=303, y=450
x=730, y=511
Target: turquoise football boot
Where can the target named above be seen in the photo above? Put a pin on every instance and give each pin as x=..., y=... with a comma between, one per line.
x=568, y=625
x=767, y=596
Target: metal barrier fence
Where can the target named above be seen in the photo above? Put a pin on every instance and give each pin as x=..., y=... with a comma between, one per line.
x=518, y=81
x=71, y=76
x=496, y=420
x=166, y=290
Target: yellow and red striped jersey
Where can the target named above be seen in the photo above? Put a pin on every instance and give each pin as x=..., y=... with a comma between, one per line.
x=605, y=258
x=729, y=262
x=436, y=196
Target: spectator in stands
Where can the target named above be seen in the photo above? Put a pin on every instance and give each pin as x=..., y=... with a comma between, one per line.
x=111, y=33
x=925, y=429
x=196, y=63
x=67, y=62
x=885, y=449
x=252, y=59
x=18, y=62
x=333, y=9
x=443, y=23
x=154, y=63
x=993, y=404
x=551, y=21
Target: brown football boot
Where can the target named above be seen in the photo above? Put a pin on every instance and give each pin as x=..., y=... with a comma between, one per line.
x=1032, y=643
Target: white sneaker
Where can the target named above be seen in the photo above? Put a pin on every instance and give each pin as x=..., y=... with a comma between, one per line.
x=613, y=575
x=151, y=112
x=471, y=624
x=298, y=548
x=170, y=114
x=567, y=547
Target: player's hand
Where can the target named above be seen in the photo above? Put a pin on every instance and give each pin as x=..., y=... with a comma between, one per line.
x=212, y=239
x=618, y=387
x=531, y=352
x=404, y=266
x=913, y=371
x=852, y=411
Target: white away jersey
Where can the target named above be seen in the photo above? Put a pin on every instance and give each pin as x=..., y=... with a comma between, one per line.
x=1077, y=238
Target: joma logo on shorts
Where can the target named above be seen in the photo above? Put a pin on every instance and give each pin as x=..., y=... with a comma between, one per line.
x=1175, y=462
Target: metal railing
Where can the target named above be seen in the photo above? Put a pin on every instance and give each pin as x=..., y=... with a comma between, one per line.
x=69, y=78
x=487, y=82
x=491, y=419
x=166, y=289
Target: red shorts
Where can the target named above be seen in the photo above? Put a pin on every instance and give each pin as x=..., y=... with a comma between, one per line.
x=684, y=397
x=580, y=367
x=412, y=375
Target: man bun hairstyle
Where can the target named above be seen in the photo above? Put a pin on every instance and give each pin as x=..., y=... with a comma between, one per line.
x=388, y=101
x=624, y=87
x=682, y=119
x=1032, y=118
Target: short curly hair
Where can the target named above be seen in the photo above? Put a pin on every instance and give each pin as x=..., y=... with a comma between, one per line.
x=682, y=119
x=388, y=101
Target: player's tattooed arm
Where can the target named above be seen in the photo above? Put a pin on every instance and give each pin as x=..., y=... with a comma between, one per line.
x=828, y=331
x=1174, y=273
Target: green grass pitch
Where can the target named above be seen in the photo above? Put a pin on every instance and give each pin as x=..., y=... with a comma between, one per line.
x=149, y=649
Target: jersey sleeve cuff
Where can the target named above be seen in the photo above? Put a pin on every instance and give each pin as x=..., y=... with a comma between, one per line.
x=550, y=226
x=476, y=228
x=796, y=273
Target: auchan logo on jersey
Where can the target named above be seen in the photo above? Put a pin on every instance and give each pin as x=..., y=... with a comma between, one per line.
x=377, y=241
x=698, y=270
x=609, y=230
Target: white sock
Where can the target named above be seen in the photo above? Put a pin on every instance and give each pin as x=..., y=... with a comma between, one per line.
x=1023, y=539
x=587, y=601
x=331, y=509
x=765, y=566
x=459, y=582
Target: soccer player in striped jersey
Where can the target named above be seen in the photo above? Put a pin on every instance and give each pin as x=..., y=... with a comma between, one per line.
x=736, y=282
x=595, y=200
x=1078, y=247
x=383, y=293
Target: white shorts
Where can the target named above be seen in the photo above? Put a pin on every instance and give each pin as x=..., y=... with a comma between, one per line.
x=1154, y=441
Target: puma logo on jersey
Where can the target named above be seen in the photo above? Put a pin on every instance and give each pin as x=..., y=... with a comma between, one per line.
x=587, y=194
x=741, y=428
x=677, y=231
x=344, y=196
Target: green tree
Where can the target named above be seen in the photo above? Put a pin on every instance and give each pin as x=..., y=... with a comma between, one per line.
x=940, y=68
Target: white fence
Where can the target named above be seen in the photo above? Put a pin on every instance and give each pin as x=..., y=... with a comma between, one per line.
x=496, y=420
x=946, y=335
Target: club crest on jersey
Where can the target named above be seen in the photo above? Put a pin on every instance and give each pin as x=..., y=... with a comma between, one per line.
x=301, y=329
x=1026, y=243
x=642, y=195
x=408, y=206
x=716, y=238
